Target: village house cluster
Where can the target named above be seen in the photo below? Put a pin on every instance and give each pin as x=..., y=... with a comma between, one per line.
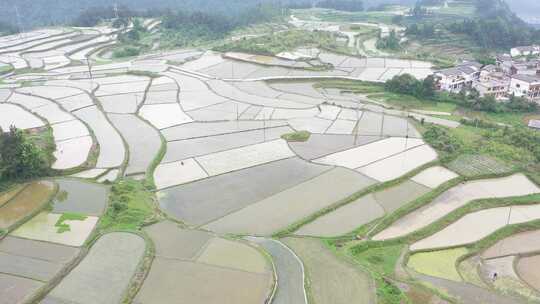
x=515, y=74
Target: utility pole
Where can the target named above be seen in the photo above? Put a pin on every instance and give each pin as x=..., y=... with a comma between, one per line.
x=357, y=123
x=89, y=67
x=19, y=24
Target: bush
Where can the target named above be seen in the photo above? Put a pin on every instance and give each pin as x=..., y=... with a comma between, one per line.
x=409, y=85
x=128, y=51
x=390, y=42
x=440, y=139
x=298, y=136
x=19, y=157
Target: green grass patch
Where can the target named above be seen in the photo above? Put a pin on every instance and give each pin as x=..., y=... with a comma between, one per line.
x=63, y=226
x=44, y=139
x=131, y=206
x=377, y=93
x=408, y=102
x=275, y=43
x=380, y=263
x=4, y=69
x=441, y=264
x=299, y=136
x=382, y=260
x=342, y=16
x=473, y=165
x=350, y=86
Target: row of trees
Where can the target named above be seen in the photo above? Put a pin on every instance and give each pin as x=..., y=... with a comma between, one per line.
x=342, y=5
x=468, y=98
x=409, y=85
x=421, y=30
x=36, y=13
x=93, y=16
x=202, y=24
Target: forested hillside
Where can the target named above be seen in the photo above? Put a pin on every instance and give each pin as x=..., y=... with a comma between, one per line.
x=47, y=12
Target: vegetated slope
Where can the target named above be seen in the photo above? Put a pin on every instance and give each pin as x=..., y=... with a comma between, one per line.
x=35, y=13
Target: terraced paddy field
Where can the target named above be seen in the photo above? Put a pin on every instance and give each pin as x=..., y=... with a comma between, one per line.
x=527, y=269
x=441, y=264
x=287, y=207
x=27, y=265
x=47, y=227
x=330, y=279
x=375, y=205
x=192, y=204
x=80, y=197
x=25, y=203
x=478, y=225
x=289, y=271
x=197, y=137
x=195, y=267
x=143, y=141
x=520, y=243
x=104, y=274
x=454, y=198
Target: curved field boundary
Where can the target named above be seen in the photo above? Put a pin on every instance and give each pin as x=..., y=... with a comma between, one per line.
x=287, y=289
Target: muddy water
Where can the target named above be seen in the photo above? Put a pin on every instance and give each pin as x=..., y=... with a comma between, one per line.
x=7, y=195
x=27, y=201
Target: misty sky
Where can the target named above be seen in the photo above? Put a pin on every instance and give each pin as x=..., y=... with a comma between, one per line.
x=526, y=8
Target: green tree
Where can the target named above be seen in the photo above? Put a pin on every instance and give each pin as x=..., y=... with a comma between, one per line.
x=19, y=157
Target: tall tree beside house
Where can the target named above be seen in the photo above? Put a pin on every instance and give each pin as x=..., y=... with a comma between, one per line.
x=409, y=85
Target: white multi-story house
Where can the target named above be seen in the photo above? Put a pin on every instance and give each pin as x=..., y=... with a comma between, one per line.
x=525, y=68
x=525, y=86
x=497, y=88
x=455, y=79
x=525, y=51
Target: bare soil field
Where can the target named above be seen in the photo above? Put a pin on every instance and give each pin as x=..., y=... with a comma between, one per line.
x=527, y=269
x=521, y=243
